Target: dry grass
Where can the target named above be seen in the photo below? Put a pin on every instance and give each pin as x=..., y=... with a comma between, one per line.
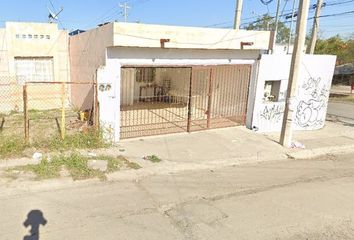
x=76, y=165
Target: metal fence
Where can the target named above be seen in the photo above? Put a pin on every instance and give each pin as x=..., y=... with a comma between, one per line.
x=36, y=111
x=182, y=99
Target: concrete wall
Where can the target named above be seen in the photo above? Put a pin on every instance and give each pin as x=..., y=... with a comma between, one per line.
x=13, y=44
x=147, y=35
x=87, y=54
x=310, y=105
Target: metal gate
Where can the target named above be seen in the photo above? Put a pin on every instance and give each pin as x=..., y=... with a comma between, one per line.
x=154, y=102
x=219, y=96
x=164, y=100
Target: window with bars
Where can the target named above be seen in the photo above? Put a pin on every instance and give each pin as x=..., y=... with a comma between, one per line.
x=35, y=69
x=145, y=75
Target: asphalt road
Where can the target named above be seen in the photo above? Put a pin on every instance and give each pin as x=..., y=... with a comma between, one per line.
x=341, y=110
x=294, y=199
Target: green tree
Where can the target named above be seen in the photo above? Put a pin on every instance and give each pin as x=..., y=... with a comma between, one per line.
x=266, y=22
x=336, y=45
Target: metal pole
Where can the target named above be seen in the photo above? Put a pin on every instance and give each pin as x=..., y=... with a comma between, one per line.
x=291, y=26
x=316, y=23
x=210, y=95
x=276, y=25
x=189, y=120
x=286, y=131
x=62, y=111
x=25, y=113
x=238, y=13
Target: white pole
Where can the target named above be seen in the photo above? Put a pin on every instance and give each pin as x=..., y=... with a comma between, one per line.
x=316, y=23
x=238, y=13
x=291, y=27
x=276, y=25
x=286, y=131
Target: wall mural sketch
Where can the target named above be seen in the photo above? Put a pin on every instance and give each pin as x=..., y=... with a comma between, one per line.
x=272, y=113
x=311, y=112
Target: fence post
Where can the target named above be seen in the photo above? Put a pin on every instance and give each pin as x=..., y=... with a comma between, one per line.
x=25, y=113
x=210, y=94
x=96, y=107
x=189, y=120
x=62, y=111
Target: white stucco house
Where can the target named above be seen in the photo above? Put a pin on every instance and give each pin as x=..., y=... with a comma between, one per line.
x=155, y=79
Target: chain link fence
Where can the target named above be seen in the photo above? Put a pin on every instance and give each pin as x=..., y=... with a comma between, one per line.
x=39, y=111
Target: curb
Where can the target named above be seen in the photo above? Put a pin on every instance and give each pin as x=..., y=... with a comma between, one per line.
x=318, y=152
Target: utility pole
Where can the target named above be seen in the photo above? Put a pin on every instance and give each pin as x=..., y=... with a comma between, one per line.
x=291, y=26
x=238, y=13
x=287, y=131
x=125, y=7
x=316, y=23
x=276, y=25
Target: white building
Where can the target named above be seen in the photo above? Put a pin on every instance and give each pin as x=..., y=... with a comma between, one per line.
x=164, y=79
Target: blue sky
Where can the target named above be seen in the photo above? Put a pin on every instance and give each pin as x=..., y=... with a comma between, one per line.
x=86, y=14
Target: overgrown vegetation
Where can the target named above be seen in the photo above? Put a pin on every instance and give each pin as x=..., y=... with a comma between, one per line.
x=153, y=158
x=14, y=146
x=79, y=140
x=11, y=145
x=76, y=165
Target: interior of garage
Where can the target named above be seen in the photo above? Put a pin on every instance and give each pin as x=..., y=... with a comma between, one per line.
x=161, y=100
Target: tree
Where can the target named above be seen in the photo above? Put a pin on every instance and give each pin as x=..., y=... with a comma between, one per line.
x=336, y=45
x=267, y=22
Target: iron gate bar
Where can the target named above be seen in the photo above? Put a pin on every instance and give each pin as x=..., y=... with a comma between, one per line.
x=189, y=119
x=166, y=118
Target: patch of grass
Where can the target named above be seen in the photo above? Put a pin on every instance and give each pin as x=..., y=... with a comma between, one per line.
x=79, y=140
x=76, y=165
x=153, y=158
x=11, y=145
x=344, y=98
x=133, y=165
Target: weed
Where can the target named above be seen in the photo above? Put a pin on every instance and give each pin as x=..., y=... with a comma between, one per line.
x=11, y=145
x=153, y=158
x=76, y=165
x=79, y=140
x=133, y=165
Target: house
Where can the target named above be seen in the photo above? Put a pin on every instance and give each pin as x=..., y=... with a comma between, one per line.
x=155, y=79
x=32, y=53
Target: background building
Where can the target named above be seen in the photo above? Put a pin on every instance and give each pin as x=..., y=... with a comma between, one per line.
x=32, y=53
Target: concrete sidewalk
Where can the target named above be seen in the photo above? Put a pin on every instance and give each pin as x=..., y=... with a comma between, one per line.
x=215, y=149
x=234, y=146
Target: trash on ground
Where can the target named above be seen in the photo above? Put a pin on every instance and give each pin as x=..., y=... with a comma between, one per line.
x=296, y=144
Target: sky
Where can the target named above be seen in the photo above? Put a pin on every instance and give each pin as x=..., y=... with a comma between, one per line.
x=86, y=14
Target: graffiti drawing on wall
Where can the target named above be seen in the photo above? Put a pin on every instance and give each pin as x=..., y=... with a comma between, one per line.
x=273, y=113
x=310, y=112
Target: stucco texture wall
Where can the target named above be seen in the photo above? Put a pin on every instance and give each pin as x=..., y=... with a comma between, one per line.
x=147, y=35
x=312, y=92
x=87, y=54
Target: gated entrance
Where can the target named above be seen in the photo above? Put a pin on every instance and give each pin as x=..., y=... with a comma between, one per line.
x=165, y=100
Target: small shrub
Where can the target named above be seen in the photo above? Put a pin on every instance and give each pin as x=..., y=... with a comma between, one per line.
x=153, y=158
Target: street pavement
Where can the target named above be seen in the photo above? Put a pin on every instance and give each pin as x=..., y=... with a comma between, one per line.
x=293, y=199
x=341, y=111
